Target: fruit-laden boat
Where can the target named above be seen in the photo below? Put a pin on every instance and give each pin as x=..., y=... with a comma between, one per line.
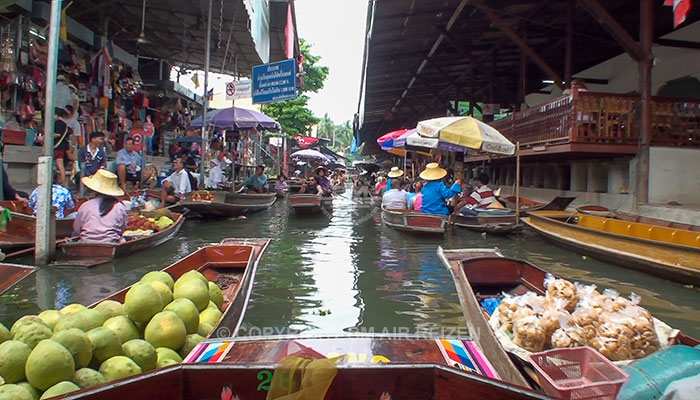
x=310, y=204
x=414, y=222
x=232, y=265
x=94, y=253
x=667, y=252
x=481, y=274
x=558, y=203
x=600, y=211
x=11, y=274
x=367, y=367
x=220, y=204
x=495, y=222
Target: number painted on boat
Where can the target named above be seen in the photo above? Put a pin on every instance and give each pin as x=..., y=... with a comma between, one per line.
x=265, y=378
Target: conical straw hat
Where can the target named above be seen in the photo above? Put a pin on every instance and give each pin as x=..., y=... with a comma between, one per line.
x=495, y=204
x=433, y=172
x=395, y=172
x=103, y=182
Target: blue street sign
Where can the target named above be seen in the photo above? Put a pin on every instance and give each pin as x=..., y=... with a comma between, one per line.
x=275, y=81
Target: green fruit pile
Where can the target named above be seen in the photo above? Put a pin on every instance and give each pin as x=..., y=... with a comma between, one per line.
x=61, y=351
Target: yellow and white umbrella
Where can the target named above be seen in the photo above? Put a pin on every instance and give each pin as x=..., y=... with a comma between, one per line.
x=465, y=132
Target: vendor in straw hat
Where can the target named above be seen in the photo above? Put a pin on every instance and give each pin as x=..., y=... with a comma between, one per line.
x=394, y=173
x=435, y=192
x=322, y=173
x=102, y=219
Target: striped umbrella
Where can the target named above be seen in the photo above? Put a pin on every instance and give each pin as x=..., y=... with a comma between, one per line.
x=461, y=132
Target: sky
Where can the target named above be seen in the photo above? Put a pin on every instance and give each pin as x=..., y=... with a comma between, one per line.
x=336, y=30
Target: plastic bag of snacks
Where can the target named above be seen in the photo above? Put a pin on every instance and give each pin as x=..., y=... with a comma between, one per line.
x=529, y=333
x=613, y=340
x=513, y=308
x=568, y=334
x=561, y=289
x=587, y=317
x=551, y=314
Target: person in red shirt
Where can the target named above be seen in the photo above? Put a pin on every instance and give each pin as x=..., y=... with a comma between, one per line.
x=150, y=129
x=138, y=134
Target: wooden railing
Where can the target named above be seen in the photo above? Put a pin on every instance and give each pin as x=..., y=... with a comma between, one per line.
x=603, y=118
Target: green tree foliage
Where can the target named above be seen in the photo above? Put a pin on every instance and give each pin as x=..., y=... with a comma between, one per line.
x=294, y=115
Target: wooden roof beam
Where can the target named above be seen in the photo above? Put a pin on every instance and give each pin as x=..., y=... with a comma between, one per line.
x=508, y=31
x=601, y=15
x=436, y=94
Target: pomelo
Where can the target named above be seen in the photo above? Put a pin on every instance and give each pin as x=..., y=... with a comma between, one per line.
x=205, y=329
x=13, y=358
x=142, y=352
x=49, y=317
x=77, y=343
x=59, y=389
x=123, y=327
x=161, y=276
x=215, y=294
x=4, y=333
x=14, y=392
x=72, y=309
x=167, y=357
x=110, y=308
x=86, y=377
x=190, y=342
x=32, y=333
x=166, y=295
x=212, y=305
x=142, y=302
x=166, y=363
x=105, y=344
x=84, y=320
x=194, y=290
x=119, y=367
x=48, y=364
x=27, y=319
x=189, y=275
x=187, y=312
x=166, y=330
x=210, y=315
x=31, y=389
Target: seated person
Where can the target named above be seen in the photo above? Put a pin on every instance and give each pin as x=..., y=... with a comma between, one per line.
x=416, y=201
x=93, y=156
x=216, y=175
x=8, y=192
x=177, y=184
x=256, y=183
x=312, y=187
x=480, y=198
x=324, y=181
x=102, y=219
x=395, y=198
x=281, y=185
x=129, y=165
x=61, y=199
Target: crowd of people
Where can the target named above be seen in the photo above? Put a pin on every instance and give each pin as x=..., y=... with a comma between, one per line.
x=429, y=193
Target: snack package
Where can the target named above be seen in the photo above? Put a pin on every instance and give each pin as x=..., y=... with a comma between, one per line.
x=563, y=289
x=568, y=334
x=613, y=340
x=513, y=308
x=587, y=317
x=645, y=340
x=553, y=311
x=529, y=333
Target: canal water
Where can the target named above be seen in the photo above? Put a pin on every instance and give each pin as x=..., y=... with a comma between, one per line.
x=345, y=272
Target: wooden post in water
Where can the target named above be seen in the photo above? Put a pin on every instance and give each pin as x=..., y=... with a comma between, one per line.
x=517, y=181
x=204, y=148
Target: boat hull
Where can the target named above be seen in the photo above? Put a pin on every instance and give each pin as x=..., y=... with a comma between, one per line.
x=678, y=263
x=414, y=222
x=493, y=224
x=310, y=204
x=11, y=274
x=559, y=203
x=108, y=251
x=225, y=204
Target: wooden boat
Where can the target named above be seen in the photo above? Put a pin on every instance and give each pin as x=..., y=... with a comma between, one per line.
x=558, y=203
x=373, y=368
x=600, y=211
x=496, y=224
x=309, y=204
x=414, y=222
x=667, y=252
x=483, y=273
x=97, y=253
x=281, y=194
x=232, y=265
x=11, y=274
x=220, y=204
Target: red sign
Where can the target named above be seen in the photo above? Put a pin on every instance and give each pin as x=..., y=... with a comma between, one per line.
x=305, y=141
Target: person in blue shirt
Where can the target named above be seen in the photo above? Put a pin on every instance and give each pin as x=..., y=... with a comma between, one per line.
x=61, y=199
x=435, y=192
x=92, y=156
x=129, y=165
x=257, y=183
